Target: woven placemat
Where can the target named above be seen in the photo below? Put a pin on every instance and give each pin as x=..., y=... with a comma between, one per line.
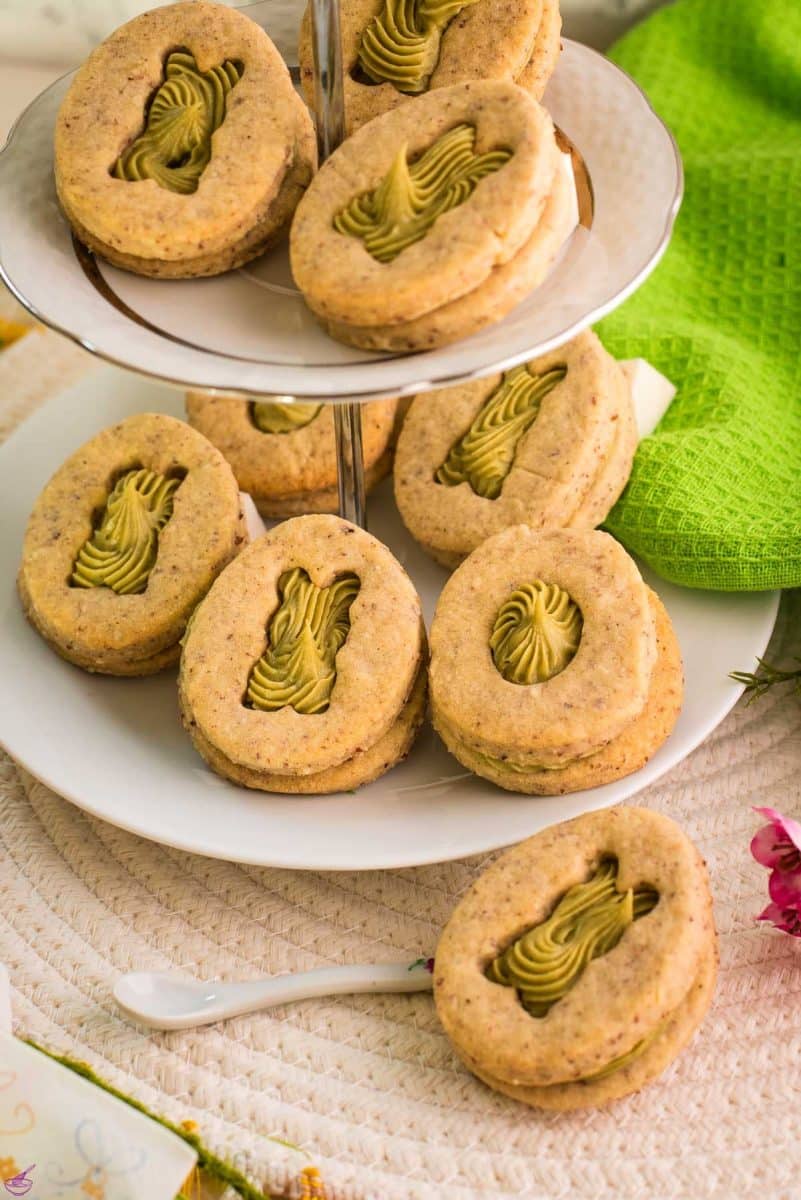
x=367, y=1088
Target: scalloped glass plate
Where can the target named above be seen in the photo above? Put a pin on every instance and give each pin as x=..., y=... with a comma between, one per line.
x=116, y=748
x=249, y=330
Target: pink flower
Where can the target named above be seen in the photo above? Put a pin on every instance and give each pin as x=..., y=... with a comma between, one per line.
x=786, y=919
x=777, y=846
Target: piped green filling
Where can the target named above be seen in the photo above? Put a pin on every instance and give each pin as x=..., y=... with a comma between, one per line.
x=545, y=962
x=305, y=634
x=536, y=633
x=484, y=456
x=402, y=42
x=410, y=197
x=174, y=148
x=272, y=417
x=123, y=549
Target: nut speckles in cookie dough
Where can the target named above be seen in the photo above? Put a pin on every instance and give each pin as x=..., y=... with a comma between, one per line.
x=123, y=542
x=554, y=668
x=433, y=221
x=305, y=669
x=581, y=962
x=181, y=147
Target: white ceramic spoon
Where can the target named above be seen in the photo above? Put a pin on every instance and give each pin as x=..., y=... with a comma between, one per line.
x=166, y=1001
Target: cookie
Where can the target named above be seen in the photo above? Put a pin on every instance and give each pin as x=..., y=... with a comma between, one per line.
x=548, y=444
x=284, y=455
x=304, y=670
x=435, y=221
x=181, y=147
x=123, y=542
x=553, y=667
x=581, y=962
x=395, y=50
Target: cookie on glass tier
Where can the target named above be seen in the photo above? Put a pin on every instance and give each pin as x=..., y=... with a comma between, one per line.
x=554, y=667
x=581, y=963
x=284, y=455
x=123, y=542
x=435, y=220
x=181, y=147
x=304, y=669
x=548, y=444
x=395, y=50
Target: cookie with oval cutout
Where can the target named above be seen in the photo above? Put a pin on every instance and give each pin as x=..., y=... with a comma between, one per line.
x=435, y=221
x=304, y=669
x=549, y=444
x=181, y=147
x=284, y=455
x=123, y=542
x=582, y=961
x=396, y=50
x=554, y=667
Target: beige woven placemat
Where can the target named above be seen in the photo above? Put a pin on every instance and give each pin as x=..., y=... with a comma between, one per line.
x=367, y=1086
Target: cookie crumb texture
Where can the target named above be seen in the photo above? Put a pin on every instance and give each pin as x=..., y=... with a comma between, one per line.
x=553, y=667
x=549, y=444
x=304, y=670
x=284, y=455
x=435, y=220
x=181, y=147
x=581, y=962
x=396, y=50
x=123, y=542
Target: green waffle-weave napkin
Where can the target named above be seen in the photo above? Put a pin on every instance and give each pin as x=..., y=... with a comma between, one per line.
x=714, y=500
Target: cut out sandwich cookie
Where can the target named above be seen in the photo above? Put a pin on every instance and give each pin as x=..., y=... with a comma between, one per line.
x=284, y=455
x=581, y=963
x=304, y=670
x=395, y=50
x=181, y=147
x=435, y=221
x=549, y=444
x=554, y=668
x=123, y=542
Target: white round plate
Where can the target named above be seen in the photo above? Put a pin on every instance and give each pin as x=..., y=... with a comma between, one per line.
x=116, y=748
x=249, y=330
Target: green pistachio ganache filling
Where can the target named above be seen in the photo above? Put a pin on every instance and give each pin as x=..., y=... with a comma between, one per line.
x=270, y=416
x=304, y=636
x=545, y=962
x=402, y=42
x=410, y=197
x=483, y=457
x=174, y=148
x=536, y=633
x=123, y=549
x=517, y=767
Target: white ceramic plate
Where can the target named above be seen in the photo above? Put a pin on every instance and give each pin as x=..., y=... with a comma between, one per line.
x=115, y=747
x=249, y=330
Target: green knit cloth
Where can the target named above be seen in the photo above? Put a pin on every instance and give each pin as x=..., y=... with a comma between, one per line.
x=714, y=500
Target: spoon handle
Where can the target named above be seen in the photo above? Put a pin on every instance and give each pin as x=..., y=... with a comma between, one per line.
x=166, y=1001
x=332, y=981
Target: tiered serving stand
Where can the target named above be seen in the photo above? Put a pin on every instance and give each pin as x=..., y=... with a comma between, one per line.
x=249, y=333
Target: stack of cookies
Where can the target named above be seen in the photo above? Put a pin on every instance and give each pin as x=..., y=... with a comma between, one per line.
x=435, y=220
x=548, y=444
x=124, y=541
x=304, y=669
x=284, y=455
x=581, y=963
x=394, y=50
x=554, y=667
x=181, y=147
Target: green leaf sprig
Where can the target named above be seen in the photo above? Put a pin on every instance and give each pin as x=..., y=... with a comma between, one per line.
x=757, y=683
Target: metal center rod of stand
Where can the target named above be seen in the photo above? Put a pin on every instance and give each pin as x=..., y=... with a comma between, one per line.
x=330, y=105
